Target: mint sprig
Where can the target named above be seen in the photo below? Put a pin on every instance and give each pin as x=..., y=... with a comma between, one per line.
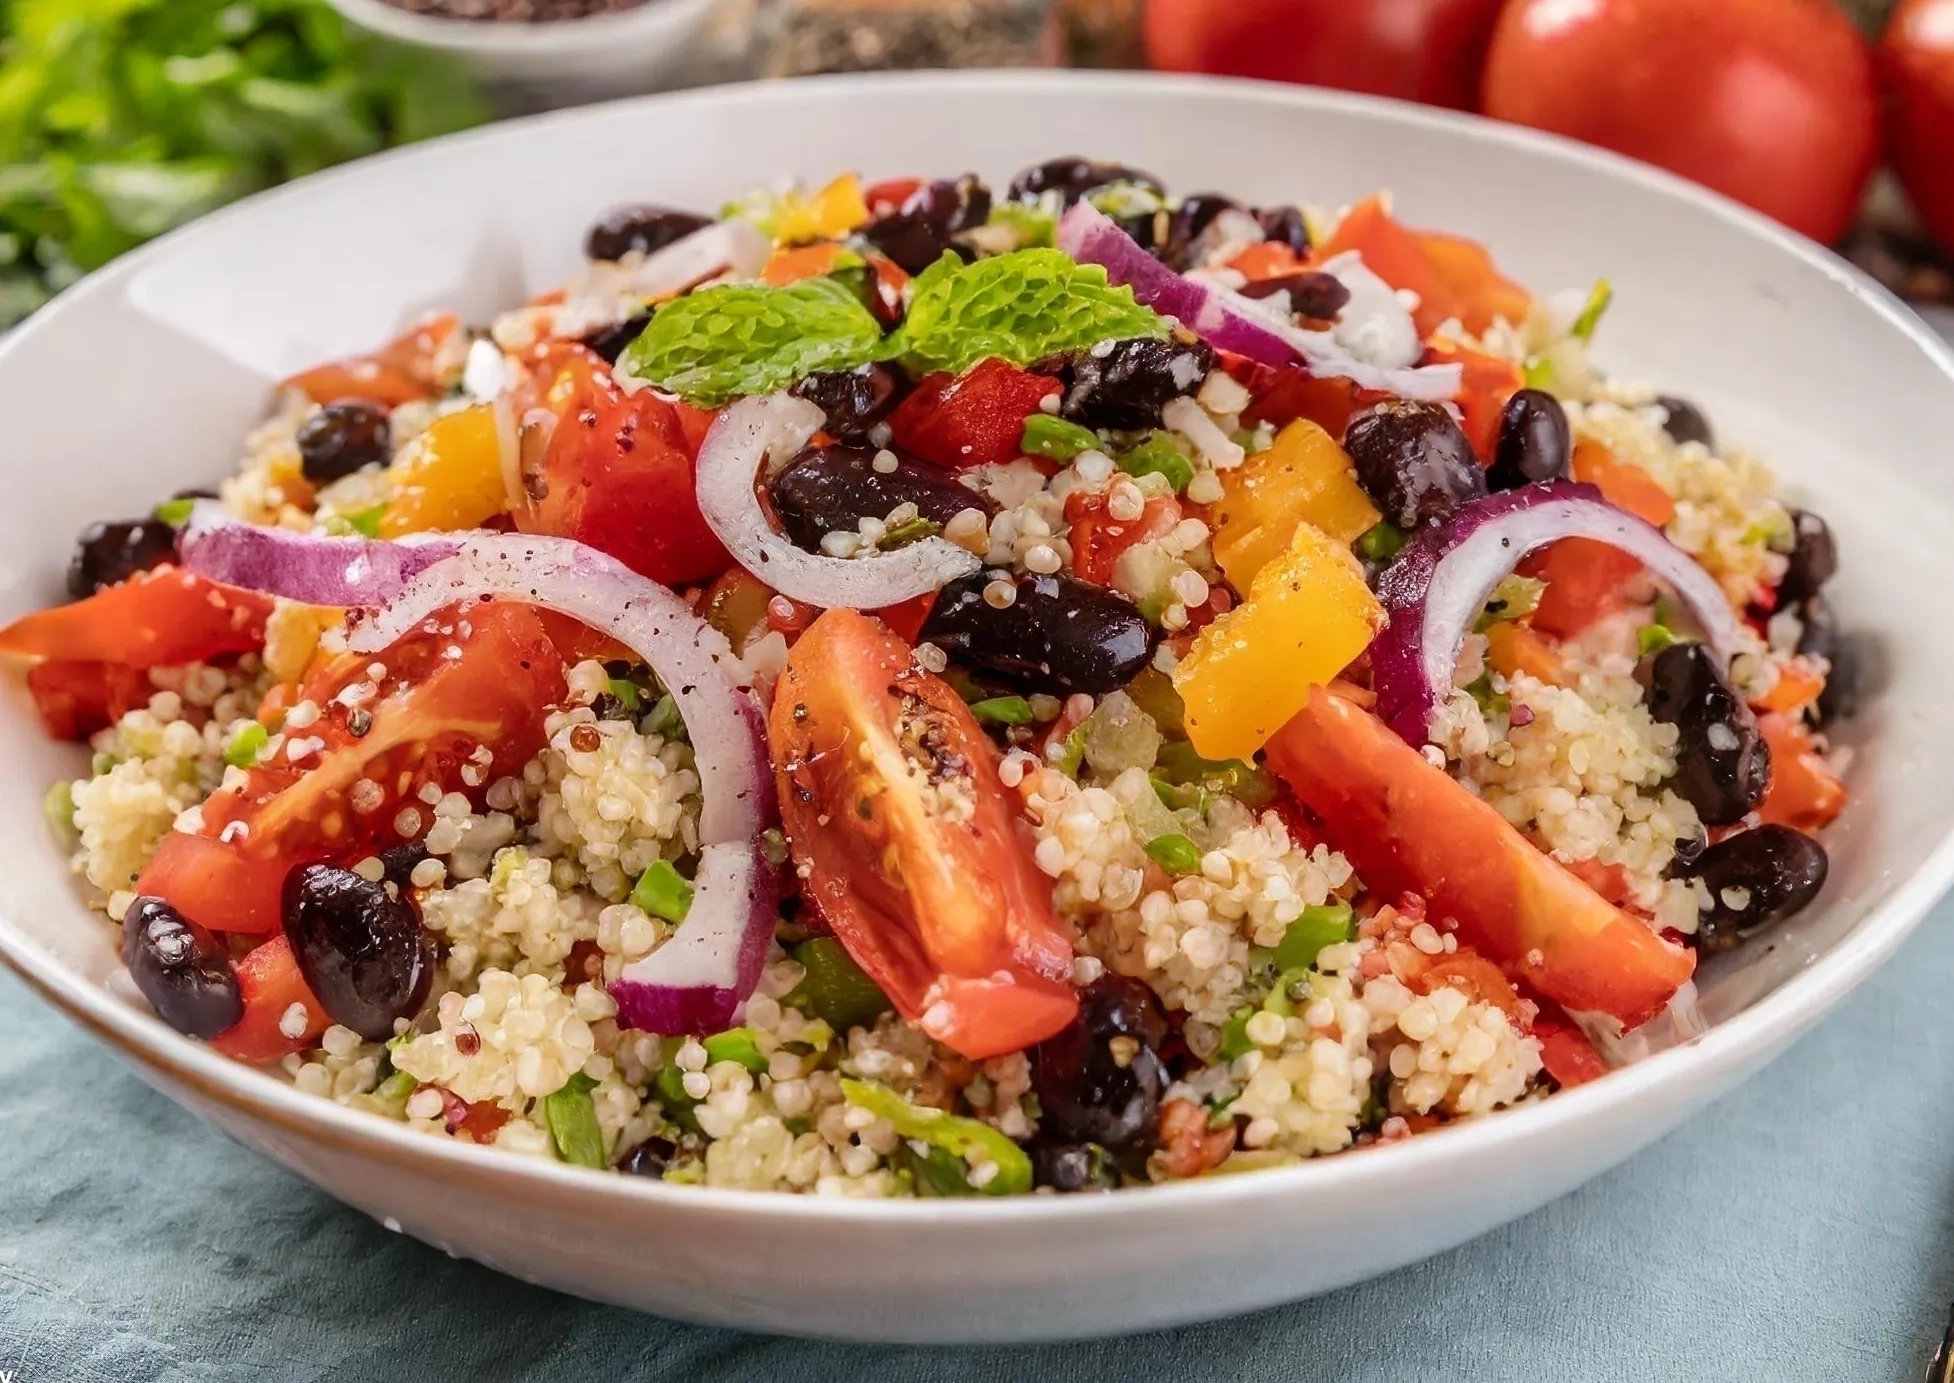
x=1022, y=307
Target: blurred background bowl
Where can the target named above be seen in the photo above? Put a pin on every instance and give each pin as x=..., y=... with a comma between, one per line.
x=539, y=66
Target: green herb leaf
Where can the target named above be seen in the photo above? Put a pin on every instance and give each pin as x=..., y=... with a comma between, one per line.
x=1020, y=307
x=1602, y=294
x=836, y=989
x=572, y=1118
x=1046, y=435
x=1175, y=853
x=1002, y=710
x=246, y=745
x=175, y=512
x=968, y=1139
x=744, y=339
x=1035, y=227
x=1159, y=454
x=661, y=892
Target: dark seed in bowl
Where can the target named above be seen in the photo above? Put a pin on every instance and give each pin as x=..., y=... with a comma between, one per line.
x=515, y=11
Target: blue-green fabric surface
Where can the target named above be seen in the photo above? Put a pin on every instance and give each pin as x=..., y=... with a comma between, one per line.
x=1803, y=1229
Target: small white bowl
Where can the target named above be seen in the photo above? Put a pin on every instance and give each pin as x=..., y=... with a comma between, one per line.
x=144, y=378
x=531, y=67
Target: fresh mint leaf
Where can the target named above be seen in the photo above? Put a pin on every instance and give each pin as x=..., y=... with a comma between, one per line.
x=1021, y=307
x=744, y=339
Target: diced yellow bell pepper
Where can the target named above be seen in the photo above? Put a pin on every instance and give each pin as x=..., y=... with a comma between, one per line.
x=1304, y=478
x=829, y=214
x=1307, y=616
x=449, y=477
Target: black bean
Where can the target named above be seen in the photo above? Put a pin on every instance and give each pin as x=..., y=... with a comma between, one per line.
x=1058, y=633
x=1100, y=1080
x=1122, y=386
x=1685, y=422
x=1072, y=1167
x=1413, y=460
x=1814, y=560
x=1723, y=764
x=342, y=438
x=646, y=229
x=834, y=488
x=1073, y=178
x=1822, y=638
x=1187, y=223
x=651, y=1158
x=854, y=400
x=916, y=235
x=609, y=342
x=182, y=970
x=1535, y=442
x=109, y=553
x=1315, y=295
x=1152, y=231
x=1756, y=878
x=1285, y=226
x=359, y=945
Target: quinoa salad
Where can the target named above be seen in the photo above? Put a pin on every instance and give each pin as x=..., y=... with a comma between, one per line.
x=902, y=689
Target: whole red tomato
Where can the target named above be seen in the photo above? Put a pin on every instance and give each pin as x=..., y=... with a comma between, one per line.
x=1917, y=62
x=1771, y=102
x=1418, y=50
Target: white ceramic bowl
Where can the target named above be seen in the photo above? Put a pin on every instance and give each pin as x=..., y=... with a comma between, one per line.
x=529, y=67
x=144, y=377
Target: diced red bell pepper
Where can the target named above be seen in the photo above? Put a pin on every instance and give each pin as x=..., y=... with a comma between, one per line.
x=976, y=418
x=76, y=698
x=270, y=983
x=1098, y=539
x=157, y=618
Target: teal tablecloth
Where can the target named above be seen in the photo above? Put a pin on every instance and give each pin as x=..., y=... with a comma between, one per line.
x=1801, y=1230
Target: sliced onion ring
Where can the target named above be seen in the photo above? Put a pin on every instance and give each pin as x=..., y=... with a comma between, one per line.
x=1446, y=573
x=741, y=441
x=304, y=566
x=1241, y=325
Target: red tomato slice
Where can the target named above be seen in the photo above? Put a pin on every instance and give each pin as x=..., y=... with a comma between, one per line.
x=1567, y=1054
x=270, y=983
x=1587, y=580
x=910, y=847
x=77, y=698
x=425, y=723
x=618, y=474
x=889, y=194
x=156, y=618
x=1408, y=827
x=972, y=419
x=1804, y=793
x=402, y=371
x=1098, y=539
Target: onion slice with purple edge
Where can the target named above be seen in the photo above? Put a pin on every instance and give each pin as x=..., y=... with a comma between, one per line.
x=697, y=980
x=745, y=437
x=302, y=566
x=1441, y=581
x=1248, y=328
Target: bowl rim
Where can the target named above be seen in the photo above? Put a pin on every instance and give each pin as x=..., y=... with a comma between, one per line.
x=1751, y=1037
x=538, y=39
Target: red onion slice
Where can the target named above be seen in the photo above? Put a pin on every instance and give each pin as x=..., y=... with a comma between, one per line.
x=1252, y=329
x=697, y=980
x=741, y=441
x=304, y=566
x=1446, y=573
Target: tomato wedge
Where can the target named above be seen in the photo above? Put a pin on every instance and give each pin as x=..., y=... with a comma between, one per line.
x=402, y=371
x=156, y=618
x=1408, y=827
x=910, y=847
x=429, y=720
x=78, y=697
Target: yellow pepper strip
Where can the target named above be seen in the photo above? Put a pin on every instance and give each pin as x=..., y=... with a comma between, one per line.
x=449, y=477
x=829, y=214
x=1305, y=477
x=1307, y=616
